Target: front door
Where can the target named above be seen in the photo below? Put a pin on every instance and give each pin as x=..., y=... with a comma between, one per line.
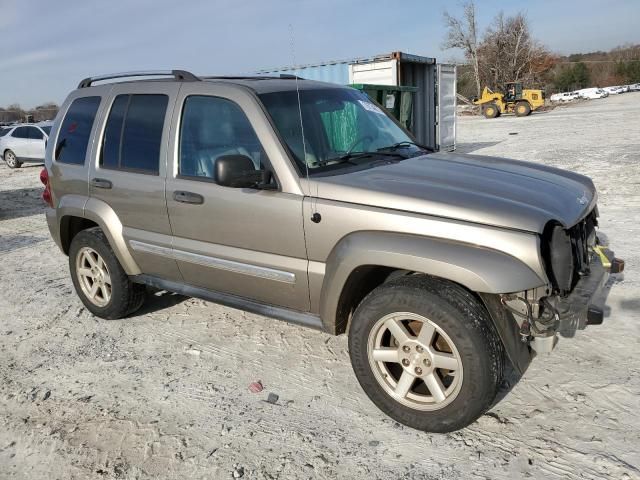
x=242, y=241
x=128, y=171
x=36, y=143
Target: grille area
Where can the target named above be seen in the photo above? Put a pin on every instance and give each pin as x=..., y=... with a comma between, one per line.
x=583, y=237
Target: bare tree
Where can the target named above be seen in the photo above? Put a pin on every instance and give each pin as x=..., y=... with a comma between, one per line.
x=462, y=33
x=508, y=52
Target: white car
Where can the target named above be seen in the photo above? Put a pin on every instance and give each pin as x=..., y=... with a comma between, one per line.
x=614, y=90
x=634, y=87
x=592, y=93
x=564, y=97
x=24, y=143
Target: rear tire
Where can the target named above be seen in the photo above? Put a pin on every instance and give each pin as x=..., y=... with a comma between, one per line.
x=522, y=109
x=99, y=279
x=11, y=159
x=465, y=342
x=490, y=110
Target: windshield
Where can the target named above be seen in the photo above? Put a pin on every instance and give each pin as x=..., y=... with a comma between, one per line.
x=342, y=127
x=47, y=130
x=3, y=131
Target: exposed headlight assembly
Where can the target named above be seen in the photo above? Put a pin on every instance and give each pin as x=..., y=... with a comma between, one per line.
x=558, y=257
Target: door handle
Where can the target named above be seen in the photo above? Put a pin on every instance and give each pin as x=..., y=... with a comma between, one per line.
x=101, y=183
x=188, y=197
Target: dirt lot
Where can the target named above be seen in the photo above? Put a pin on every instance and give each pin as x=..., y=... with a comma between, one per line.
x=164, y=394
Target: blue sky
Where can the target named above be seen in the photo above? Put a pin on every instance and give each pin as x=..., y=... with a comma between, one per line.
x=46, y=47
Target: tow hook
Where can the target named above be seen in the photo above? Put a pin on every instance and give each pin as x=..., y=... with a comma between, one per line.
x=617, y=265
x=609, y=260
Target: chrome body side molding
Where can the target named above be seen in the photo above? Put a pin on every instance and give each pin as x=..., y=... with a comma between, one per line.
x=214, y=262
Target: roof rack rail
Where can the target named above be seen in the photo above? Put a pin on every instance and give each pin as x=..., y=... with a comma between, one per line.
x=281, y=76
x=179, y=75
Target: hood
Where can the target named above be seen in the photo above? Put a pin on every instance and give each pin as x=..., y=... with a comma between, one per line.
x=473, y=188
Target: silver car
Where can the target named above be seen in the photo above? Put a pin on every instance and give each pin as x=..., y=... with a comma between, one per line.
x=24, y=143
x=305, y=201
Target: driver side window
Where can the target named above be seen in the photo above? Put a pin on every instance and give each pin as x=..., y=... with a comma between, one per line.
x=213, y=127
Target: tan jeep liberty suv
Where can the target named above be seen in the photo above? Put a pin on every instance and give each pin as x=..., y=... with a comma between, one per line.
x=306, y=202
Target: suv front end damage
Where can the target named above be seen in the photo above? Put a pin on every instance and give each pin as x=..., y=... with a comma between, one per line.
x=574, y=299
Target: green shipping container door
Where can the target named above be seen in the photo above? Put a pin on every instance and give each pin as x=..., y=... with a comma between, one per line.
x=341, y=125
x=398, y=101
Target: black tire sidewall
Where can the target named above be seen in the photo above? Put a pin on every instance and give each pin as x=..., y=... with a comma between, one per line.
x=118, y=305
x=472, y=335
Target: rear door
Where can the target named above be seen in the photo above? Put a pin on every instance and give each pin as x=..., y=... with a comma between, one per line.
x=19, y=142
x=129, y=167
x=36, y=143
x=446, y=101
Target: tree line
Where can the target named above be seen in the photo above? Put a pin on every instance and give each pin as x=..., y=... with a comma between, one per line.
x=507, y=51
x=15, y=113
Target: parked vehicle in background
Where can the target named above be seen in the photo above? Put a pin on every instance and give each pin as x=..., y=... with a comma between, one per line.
x=445, y=270
x=592, y=93
x=564, y=97
x=24, y=143
x=614, y=90
x=634, y=87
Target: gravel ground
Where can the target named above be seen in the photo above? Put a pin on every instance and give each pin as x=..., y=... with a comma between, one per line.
x=165, y=393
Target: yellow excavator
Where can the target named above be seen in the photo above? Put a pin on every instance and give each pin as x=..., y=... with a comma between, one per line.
x=515, y=99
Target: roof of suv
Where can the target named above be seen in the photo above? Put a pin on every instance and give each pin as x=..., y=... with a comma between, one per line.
x=268, y=85
x=259, y=84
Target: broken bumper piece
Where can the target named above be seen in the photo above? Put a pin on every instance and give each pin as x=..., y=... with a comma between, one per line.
x=585, y=305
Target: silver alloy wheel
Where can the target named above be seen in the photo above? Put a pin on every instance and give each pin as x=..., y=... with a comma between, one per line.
x=415, y=361
x=93, y=276
x=10, y=158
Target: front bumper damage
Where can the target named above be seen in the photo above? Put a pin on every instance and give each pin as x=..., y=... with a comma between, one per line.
x=586, y=303
x=542, y=317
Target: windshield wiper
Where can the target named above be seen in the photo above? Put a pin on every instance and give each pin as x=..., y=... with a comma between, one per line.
x=347, y=157
x=405, y=144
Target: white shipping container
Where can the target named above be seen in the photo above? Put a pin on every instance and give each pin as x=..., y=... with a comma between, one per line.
x=434, y=119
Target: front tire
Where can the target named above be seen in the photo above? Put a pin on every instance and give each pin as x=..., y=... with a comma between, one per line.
x=522, y=109
x=490, y=110
x=11, y=159
x=426, y=353
x=99, y=279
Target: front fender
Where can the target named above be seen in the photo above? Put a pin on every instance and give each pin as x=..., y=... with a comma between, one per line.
x=479, y=269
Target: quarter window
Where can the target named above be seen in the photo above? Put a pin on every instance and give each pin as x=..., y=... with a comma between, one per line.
x=133, y=134
x=35, y=134
x=213, y=127
x=73, y=138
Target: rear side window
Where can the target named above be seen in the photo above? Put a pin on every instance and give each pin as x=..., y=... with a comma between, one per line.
x=75, y=130
x=20, y=132
x=133, y=134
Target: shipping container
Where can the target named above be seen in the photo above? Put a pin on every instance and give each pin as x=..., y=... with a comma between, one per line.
x=434, y=102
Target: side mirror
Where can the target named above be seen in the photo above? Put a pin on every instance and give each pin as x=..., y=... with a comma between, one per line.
x=238, y=171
